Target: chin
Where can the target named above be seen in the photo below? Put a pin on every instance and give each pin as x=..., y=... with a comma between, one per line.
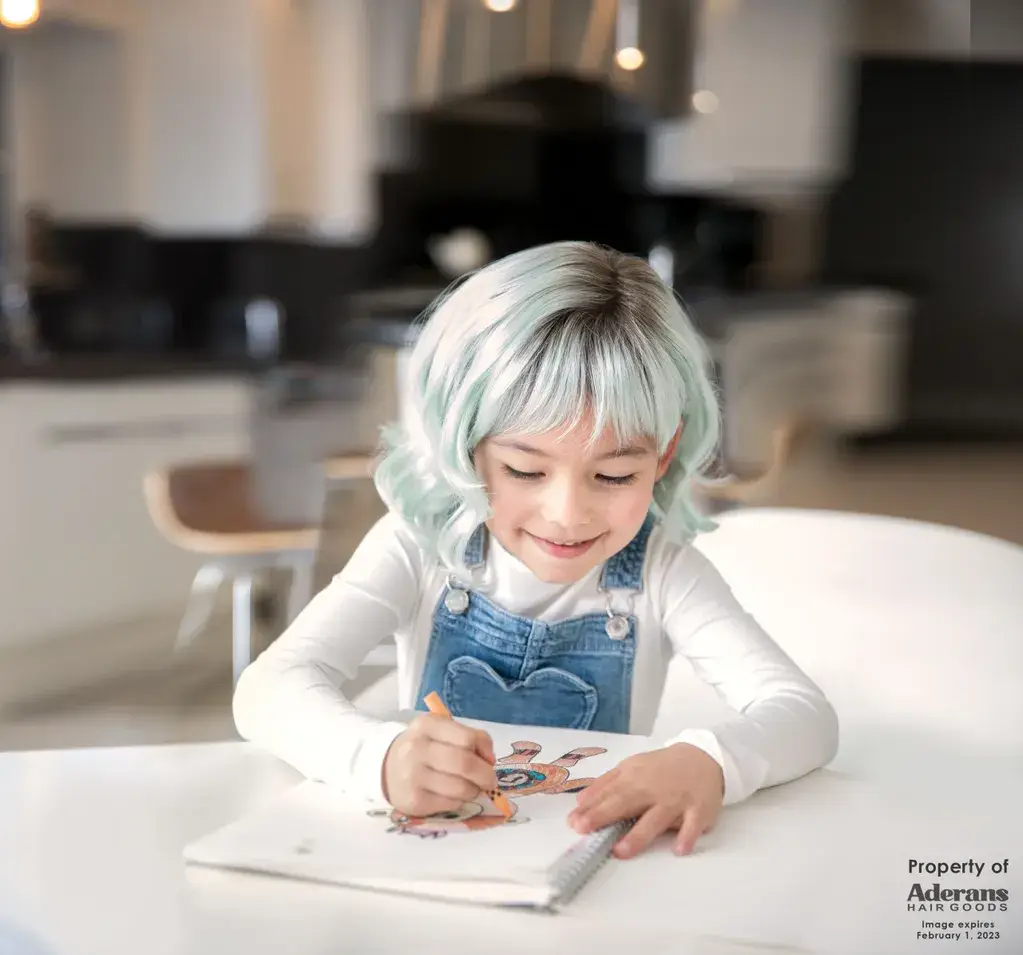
x=560, y=573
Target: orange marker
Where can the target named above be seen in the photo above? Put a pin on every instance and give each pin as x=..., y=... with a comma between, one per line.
x=436, y=706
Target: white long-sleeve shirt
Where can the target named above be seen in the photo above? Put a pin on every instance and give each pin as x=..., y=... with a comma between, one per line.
x=289, y=701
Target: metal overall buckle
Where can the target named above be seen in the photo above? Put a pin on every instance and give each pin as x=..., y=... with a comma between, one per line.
x=457, y=598
x=617, y=626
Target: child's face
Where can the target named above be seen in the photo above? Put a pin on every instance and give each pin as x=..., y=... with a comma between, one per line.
x=563, y=508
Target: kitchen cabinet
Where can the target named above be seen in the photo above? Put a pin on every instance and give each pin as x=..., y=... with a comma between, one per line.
x=196, y=118
x=78, y=550
x=268, y=126
x=774, y=79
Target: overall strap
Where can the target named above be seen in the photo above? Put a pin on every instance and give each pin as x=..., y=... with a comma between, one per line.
x=474, y=549
x=625, y=570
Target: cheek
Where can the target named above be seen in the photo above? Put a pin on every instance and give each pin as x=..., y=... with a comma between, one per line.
x=508, y=495
x=631, y=504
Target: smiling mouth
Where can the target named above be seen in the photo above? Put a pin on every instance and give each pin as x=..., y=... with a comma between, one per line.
x=573, y=543
x=565, y=548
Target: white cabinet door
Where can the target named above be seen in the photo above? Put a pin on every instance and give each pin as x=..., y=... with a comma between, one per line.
x=79, y=549
x=268, y=122
x=776, y=72
x=200, y=83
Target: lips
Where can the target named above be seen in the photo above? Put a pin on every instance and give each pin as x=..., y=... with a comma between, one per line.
x=564, y=549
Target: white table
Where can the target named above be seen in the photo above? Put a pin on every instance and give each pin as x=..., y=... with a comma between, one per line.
x=91, y=839
x=903, y=624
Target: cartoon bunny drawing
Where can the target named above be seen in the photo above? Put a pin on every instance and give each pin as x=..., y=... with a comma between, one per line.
x=472, y=817
x=517, y=776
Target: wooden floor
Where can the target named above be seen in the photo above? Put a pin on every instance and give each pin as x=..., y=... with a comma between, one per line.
x=978, y=488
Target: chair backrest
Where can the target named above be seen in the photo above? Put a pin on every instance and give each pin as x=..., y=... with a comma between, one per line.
x=350, y=509
x=296, y=422
x=156, y=490
x=206, y=506
x=836, y=360
x=718, y=494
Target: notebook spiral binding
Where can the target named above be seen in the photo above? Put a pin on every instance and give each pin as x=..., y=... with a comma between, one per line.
x=586, y=860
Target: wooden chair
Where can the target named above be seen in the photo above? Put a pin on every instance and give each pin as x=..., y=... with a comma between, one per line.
x=737, y=490
x=206, y=508
x=341, y=468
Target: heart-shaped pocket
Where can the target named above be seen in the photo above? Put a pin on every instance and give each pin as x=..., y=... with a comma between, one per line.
x=547, y=697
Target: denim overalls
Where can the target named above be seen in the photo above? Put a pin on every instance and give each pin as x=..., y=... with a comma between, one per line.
x=489, y=664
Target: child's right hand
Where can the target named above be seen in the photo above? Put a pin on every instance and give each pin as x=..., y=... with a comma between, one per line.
x=436, y=765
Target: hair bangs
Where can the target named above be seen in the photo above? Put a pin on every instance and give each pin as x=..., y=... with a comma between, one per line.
x=567, y=371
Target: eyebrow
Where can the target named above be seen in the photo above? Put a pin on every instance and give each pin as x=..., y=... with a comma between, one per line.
x=628, y=451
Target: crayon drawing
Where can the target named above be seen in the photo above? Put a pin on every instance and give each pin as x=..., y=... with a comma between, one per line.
x=472, y=817
x=518, y=775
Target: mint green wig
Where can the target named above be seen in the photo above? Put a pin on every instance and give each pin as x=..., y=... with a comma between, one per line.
x=529, y=344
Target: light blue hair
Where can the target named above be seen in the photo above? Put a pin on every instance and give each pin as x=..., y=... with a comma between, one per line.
x=529, y=344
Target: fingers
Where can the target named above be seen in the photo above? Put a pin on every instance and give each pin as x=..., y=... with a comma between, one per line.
x=616, y=803
x=693, y=826
x=673, y=788
x=652, y=823
x=596, y=791
x=485, y=747
x=445, y=730
x=465, y=764
x=425, y=803
x=448, y=731
x=452, y=750
x=454, y=789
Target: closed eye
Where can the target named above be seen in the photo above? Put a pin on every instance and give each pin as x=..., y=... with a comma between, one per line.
x=521, y=475
x=615, y=480
x=623, y=479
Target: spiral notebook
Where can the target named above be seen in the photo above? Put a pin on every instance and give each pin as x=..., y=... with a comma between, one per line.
x=474, y=855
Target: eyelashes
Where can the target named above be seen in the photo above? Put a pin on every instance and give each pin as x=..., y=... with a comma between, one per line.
x=536, y=475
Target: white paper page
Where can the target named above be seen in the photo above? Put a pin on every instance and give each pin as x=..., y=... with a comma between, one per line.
x=317, y=832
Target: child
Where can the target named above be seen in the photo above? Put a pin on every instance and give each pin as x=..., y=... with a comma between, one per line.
x=535, y=565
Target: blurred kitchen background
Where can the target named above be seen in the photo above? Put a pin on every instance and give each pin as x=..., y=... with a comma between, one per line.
x=220, y=218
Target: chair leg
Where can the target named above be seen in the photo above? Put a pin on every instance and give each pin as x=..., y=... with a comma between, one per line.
x=241, y=624
x=301, y=591
x=201, y=602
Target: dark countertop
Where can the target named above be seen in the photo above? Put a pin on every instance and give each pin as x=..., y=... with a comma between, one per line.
x=394, y=331
x=388, y=316
x=276, y=388
x=121, y=366
x=384, y=318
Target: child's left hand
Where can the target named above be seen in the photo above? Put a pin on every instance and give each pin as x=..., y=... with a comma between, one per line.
x=678, y=787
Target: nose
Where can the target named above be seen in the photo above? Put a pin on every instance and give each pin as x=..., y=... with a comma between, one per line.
x=566, y=504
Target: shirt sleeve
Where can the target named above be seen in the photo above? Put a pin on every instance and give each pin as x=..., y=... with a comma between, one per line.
x=289, y=700
x=783, y=727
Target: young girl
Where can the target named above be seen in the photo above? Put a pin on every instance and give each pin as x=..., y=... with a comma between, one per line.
x=535, y=566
